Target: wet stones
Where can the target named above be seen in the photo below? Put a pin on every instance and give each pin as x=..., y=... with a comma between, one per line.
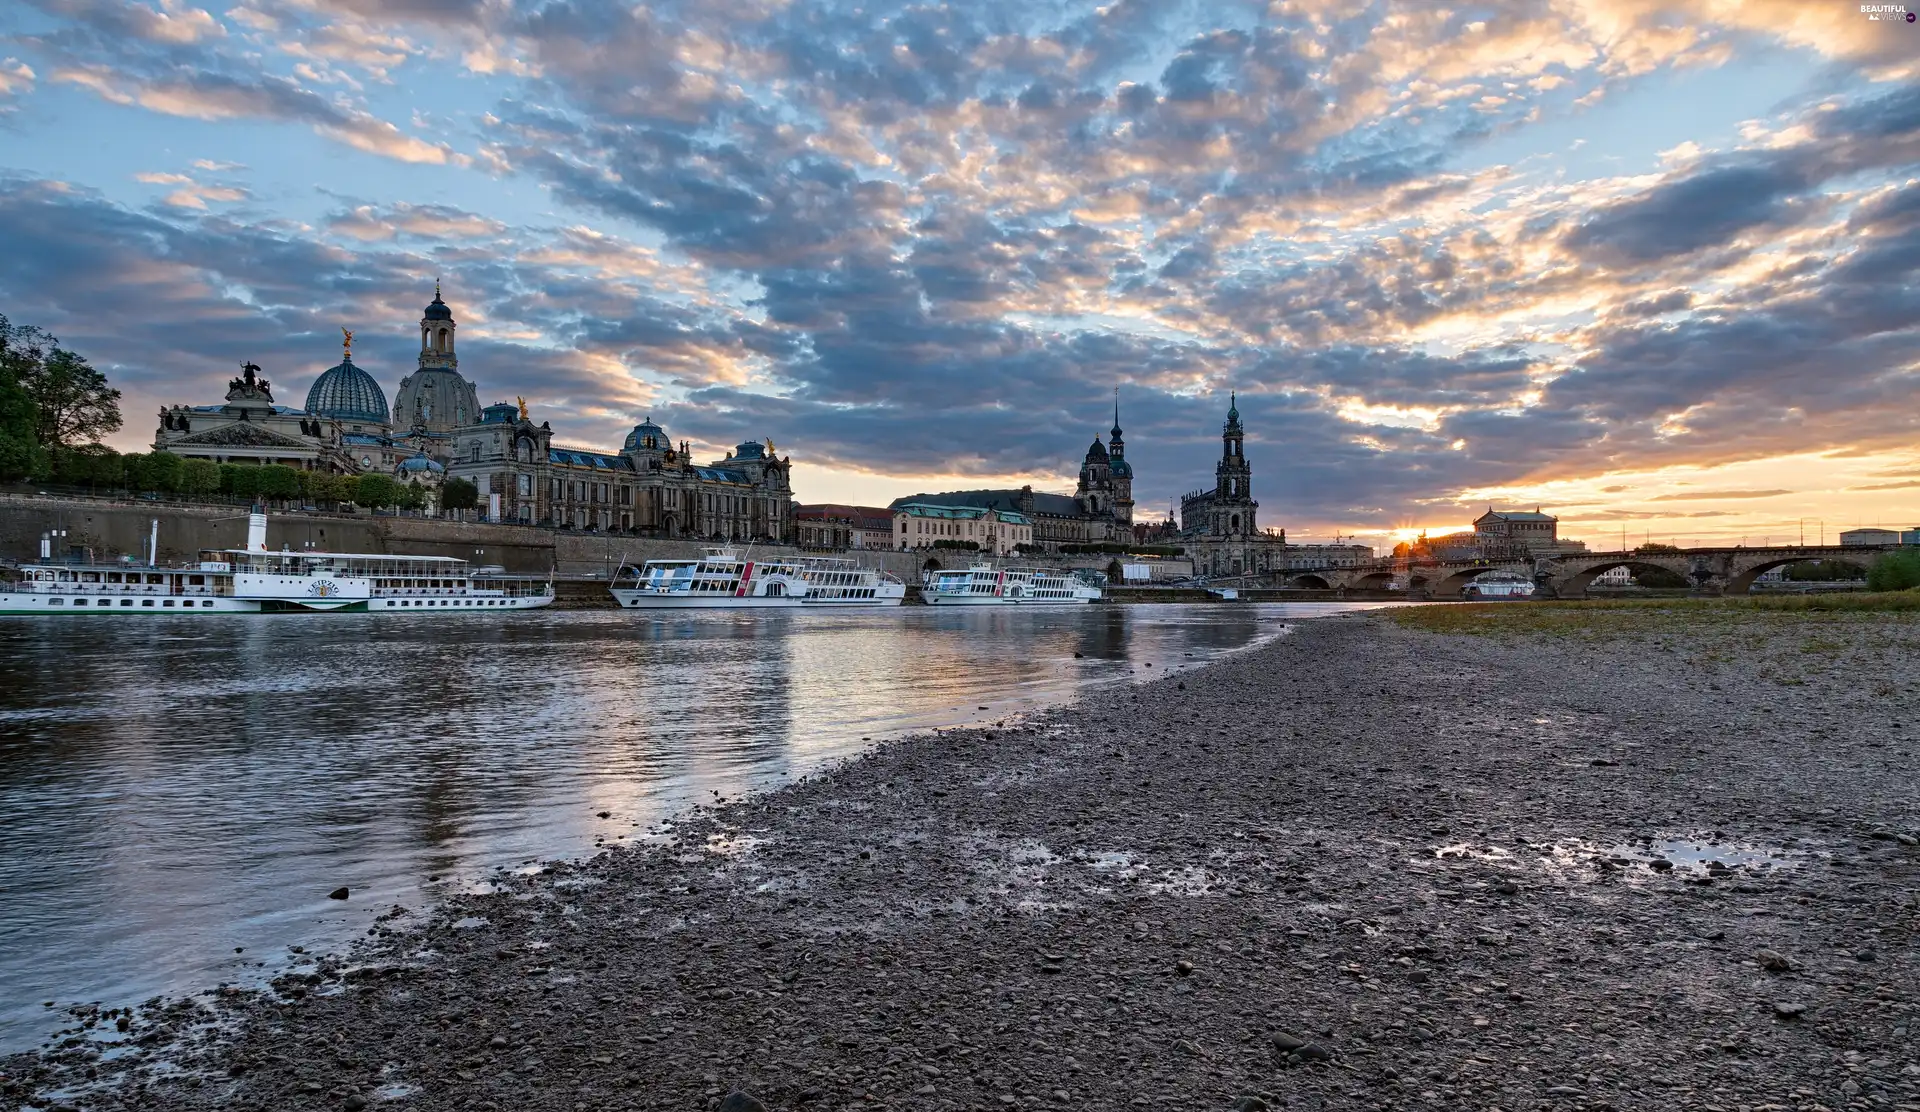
x=1773, y=961
x=339, y=893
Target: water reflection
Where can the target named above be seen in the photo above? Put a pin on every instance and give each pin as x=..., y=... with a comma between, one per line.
x=174, y=788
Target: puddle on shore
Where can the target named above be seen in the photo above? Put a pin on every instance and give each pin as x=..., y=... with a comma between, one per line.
x=1697, y=855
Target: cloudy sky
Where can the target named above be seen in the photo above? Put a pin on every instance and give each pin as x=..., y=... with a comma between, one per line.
x=1648, y=262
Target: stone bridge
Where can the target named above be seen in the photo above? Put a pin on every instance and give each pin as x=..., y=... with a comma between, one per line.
x=1711, y=571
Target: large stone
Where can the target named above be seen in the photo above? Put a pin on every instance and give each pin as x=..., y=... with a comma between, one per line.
x=738, y=1101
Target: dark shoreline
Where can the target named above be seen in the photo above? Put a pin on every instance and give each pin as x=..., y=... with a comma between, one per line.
x=1394, y=845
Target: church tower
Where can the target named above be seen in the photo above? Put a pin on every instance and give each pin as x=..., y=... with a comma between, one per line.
x=435, y=400
x=1095, y=493
x=436, y=334
x=1121, y=470
x=1233, y=506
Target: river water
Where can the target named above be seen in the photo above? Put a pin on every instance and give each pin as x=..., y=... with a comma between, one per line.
x=173, y=790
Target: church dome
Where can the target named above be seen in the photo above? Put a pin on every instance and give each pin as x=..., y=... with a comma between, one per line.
x=1097, y=452
x=438, y=310
x=645, y=431
x=437, y=399
x=347, y=393
x=1122, y=469
x=751, y=449
x=420, y=464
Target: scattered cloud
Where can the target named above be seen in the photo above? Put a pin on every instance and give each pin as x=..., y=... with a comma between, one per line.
x=1414, y=241
x=1717, y=495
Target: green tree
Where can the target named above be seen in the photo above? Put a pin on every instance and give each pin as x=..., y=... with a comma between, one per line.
x=93, y=466
x=163, y=471
x=409, y=496
x=1895, y=571
x=374, y=490
x=133, y=466
x=240, y=480
x=199, y=477
x=459, y=494
x=72, y=402
x=20, y=451
x=327, y=488
x=1656, y=546
x=279, y=481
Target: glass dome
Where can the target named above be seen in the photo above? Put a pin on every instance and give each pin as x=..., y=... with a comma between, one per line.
x=347, y=393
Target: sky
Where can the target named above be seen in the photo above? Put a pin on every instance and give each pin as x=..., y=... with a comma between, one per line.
x=1646, y=263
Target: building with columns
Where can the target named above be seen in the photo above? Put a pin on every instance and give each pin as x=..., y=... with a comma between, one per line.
x=250, y=428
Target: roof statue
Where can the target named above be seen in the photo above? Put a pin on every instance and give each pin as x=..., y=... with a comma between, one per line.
x=770, y=451
x=348, y=343
x=521, y=400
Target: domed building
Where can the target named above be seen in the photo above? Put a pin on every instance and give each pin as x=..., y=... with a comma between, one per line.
x=428, y=474
x=351, y=399
x=435, y=399
x=343, y=427
x=348, y=395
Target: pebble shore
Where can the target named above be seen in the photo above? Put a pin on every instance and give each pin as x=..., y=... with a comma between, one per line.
x=1361, y=867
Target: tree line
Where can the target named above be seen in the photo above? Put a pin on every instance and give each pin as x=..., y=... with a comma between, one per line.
x=102, y=469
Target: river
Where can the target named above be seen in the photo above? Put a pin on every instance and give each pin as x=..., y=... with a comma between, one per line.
x=178, y=796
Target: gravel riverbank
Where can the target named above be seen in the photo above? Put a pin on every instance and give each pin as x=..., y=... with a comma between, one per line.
x=1666, y=865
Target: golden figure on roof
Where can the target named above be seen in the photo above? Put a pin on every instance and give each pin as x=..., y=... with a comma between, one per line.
x=523, y=406
x=348, y=342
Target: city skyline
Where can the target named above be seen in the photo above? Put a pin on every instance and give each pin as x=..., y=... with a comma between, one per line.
x=1647, y=264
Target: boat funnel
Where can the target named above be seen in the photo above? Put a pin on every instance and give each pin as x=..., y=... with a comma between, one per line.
x=256, y=532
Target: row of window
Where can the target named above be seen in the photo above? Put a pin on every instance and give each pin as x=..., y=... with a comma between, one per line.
x=167, y=602
x=462, y=602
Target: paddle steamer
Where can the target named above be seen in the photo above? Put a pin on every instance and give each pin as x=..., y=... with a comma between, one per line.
x=253, y=580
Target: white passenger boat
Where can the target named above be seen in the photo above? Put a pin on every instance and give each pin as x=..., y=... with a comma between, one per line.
x=981, y=585
x=253, y=580
x=722, y=578
x=835, y=581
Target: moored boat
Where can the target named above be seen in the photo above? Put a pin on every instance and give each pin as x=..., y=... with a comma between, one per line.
x=253, y=580
x=983, y=585
x=722, y=578
x=836, y=581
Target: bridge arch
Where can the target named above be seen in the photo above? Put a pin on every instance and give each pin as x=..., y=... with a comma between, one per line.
x=1453, y=583
x=1372, y=581
x=1741, y=582
x=1310, y=581
x=1574, y=584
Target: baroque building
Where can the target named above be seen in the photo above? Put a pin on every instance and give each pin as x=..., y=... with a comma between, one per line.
x=250, y=428
x=1228, y=509
x=1219, y=531
x=646, y=486
x=1099, y=511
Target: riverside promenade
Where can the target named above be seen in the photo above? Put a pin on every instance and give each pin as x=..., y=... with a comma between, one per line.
x=1631, y=858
